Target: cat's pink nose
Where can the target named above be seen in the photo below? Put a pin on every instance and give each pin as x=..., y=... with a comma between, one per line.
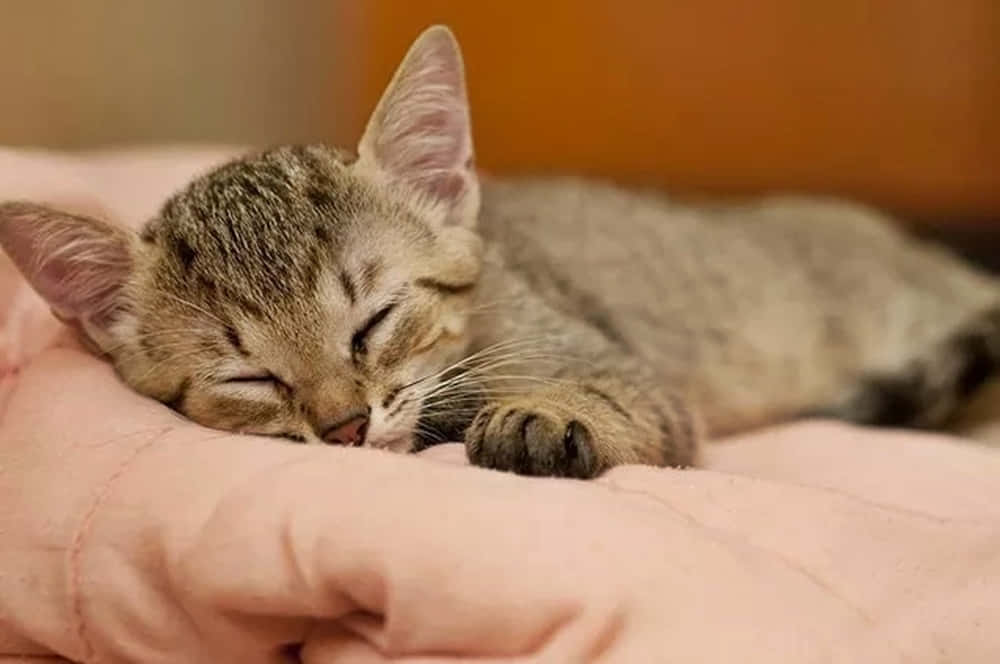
x=352, y=432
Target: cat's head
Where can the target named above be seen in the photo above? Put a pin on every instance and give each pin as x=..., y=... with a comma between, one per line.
x=299, y=291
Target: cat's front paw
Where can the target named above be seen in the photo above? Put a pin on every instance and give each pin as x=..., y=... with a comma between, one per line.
x=524, y=439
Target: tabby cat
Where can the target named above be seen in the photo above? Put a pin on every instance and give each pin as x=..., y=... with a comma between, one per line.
x=395, y=298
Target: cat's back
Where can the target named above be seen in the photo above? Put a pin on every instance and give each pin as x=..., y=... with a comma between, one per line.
x=737, y=300
x=640, y=247
x=587, y=218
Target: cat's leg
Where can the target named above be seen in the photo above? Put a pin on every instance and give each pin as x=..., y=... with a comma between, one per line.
x=580, y=423
x=932, y=387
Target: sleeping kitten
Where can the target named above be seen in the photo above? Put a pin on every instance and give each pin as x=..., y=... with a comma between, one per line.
x=396, y=299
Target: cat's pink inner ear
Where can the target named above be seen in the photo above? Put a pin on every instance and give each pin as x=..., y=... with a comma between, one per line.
x=420, y=132
x=78, y=265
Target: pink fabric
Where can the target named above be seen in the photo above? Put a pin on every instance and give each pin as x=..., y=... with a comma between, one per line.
x=130, y=535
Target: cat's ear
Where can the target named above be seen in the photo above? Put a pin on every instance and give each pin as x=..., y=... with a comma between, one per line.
x=419, y=134
x=77, y=264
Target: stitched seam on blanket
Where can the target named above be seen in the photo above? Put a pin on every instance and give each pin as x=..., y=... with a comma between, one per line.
x=888, y=508
x=79, y=540
x=721, y=538
x=8, y=376
x=788, y=563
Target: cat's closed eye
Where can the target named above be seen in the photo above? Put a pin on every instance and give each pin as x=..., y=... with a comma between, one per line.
x=359, y=341
x=264, y=379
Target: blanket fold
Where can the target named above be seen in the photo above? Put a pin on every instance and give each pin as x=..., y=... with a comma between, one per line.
x=128, y=534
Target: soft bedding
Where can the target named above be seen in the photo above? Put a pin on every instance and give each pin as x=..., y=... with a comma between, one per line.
x=130, y=535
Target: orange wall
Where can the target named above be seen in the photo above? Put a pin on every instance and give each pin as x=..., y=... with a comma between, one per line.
x=893, y=101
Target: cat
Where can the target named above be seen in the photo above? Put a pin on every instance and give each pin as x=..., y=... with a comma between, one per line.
x=394, y=297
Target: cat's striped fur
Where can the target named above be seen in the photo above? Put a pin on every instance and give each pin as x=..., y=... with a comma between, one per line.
x=560, y=326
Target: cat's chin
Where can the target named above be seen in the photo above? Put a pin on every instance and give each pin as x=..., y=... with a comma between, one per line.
x=403, y=444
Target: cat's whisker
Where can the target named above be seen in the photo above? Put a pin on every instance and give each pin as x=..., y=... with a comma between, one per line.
x=479, y=377
x=487, y=361
x=174, y=357
x=456, y=382
x=178, y=352
x=484, y=353
x=434, y=435
x=482, y=391
x=474, y=401
x=192, y=305
x=543, y=380
x=172, y=339
x=420, y=428
x=489, y=372
x=172, y=346
x=490, y=306
x=481, y=370
x=186, y=332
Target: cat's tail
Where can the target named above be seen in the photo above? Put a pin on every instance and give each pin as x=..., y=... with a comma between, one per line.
x=929, y=390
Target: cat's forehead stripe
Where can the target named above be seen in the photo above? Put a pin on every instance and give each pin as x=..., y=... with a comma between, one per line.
x=369, y=275
x=234, y=338
x=405, y=335
x=265, y=226
x=347, y=283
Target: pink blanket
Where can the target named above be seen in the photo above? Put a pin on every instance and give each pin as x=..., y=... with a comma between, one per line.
x=130, y=535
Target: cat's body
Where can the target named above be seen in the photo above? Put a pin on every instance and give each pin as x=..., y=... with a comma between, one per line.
x=559, y=326
x=758, y=311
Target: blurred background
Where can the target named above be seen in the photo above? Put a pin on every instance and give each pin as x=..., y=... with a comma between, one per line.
x=894, y=102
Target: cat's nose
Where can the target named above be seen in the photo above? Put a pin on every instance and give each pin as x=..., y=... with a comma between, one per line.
x=350, y=432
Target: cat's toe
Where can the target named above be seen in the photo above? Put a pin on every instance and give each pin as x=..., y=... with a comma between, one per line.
x=494, y=441
x=576, y=451
x=576, y=441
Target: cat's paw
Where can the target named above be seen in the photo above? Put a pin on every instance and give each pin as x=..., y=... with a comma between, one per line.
x=525, y=439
